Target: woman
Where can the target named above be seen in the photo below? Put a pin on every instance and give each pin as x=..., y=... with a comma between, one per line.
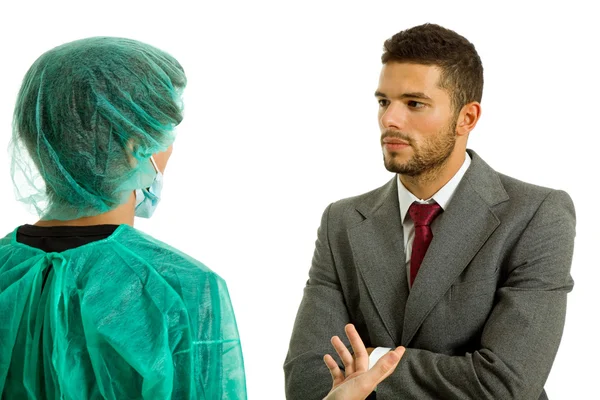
x=89, y=306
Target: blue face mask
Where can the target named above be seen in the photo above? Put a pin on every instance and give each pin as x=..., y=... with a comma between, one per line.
x=146, y=200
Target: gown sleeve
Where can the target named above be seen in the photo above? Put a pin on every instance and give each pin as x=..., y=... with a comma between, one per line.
x=179, y=335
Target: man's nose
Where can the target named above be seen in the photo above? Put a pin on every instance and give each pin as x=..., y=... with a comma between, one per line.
x=393, y=117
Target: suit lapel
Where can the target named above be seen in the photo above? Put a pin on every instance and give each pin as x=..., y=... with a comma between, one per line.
x=459, y=234
x=378, y=248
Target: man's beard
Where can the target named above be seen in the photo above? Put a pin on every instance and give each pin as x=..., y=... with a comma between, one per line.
x=431, y=155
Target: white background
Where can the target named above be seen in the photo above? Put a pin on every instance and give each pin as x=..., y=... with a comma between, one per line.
x=281, y=120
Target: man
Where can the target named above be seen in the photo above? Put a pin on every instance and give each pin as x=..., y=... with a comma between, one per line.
x=467, y=268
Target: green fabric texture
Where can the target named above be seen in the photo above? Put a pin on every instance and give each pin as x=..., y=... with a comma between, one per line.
x=127, y=317
x=88, y=116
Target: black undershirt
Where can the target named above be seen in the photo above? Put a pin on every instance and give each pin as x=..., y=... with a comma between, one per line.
x=61, y=238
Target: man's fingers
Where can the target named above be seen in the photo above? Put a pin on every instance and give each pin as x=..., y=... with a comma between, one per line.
x=361, y=356
x=344, y=354
x=381, y=370
x=336, y=373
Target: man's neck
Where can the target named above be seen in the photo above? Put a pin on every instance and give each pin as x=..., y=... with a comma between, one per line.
x=428, y=183
x=123, y=214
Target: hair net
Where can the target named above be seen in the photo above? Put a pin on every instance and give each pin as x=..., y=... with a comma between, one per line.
x=88, y=116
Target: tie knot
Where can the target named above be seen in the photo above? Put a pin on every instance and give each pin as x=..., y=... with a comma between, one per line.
x=424, y=214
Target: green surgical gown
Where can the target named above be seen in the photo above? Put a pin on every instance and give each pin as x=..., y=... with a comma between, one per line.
x=126, y=317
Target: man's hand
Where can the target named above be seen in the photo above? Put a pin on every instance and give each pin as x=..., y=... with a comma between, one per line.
x=358, y=381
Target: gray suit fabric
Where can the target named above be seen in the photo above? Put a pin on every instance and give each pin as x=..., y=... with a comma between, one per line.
x=486, y=313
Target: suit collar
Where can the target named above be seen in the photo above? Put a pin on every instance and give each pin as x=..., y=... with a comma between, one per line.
x=461, y=231
x=378, y=251
x=441, y=197
x=485, y=181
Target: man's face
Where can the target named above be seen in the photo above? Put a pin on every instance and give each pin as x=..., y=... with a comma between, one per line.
x=416, y=118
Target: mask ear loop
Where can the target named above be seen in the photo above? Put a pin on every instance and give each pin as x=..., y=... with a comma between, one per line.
x=154, y=164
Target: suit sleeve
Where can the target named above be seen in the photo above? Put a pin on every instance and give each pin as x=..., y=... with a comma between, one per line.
x=522, y=334
x=321, y=315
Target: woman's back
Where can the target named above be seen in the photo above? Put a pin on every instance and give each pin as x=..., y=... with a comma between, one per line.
x=118, y=318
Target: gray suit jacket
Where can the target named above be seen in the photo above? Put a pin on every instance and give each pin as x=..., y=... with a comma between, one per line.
x=486, y=312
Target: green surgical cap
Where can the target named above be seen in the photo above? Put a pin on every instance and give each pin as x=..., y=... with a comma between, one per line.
x=89, y=115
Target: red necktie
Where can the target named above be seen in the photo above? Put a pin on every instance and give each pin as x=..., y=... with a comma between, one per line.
x=422, y=215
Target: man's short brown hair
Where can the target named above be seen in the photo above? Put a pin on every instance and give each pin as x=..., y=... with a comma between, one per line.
x=431, y=44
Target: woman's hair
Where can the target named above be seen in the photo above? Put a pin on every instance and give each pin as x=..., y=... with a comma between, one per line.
x=88, y=116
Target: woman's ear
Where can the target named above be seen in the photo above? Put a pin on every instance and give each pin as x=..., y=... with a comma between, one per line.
x=129, y=149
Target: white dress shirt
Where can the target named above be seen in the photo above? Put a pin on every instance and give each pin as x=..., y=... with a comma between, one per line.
x=406, y=198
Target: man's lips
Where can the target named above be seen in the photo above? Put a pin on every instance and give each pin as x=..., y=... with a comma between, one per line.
x=394, y=144
x=390, y=140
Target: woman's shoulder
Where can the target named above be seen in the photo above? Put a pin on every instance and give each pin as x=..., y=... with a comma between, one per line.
x=7, y=240
x=165, y=258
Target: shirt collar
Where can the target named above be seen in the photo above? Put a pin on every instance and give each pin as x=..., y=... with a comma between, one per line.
x=442, y=197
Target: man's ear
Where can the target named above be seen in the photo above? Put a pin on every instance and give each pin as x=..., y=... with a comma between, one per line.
x=467, y=118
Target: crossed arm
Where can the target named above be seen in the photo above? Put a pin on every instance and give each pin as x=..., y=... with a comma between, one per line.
x=518, y=342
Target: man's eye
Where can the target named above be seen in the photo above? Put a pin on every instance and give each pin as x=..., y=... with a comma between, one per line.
x=416, y=104
x=383, y=102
